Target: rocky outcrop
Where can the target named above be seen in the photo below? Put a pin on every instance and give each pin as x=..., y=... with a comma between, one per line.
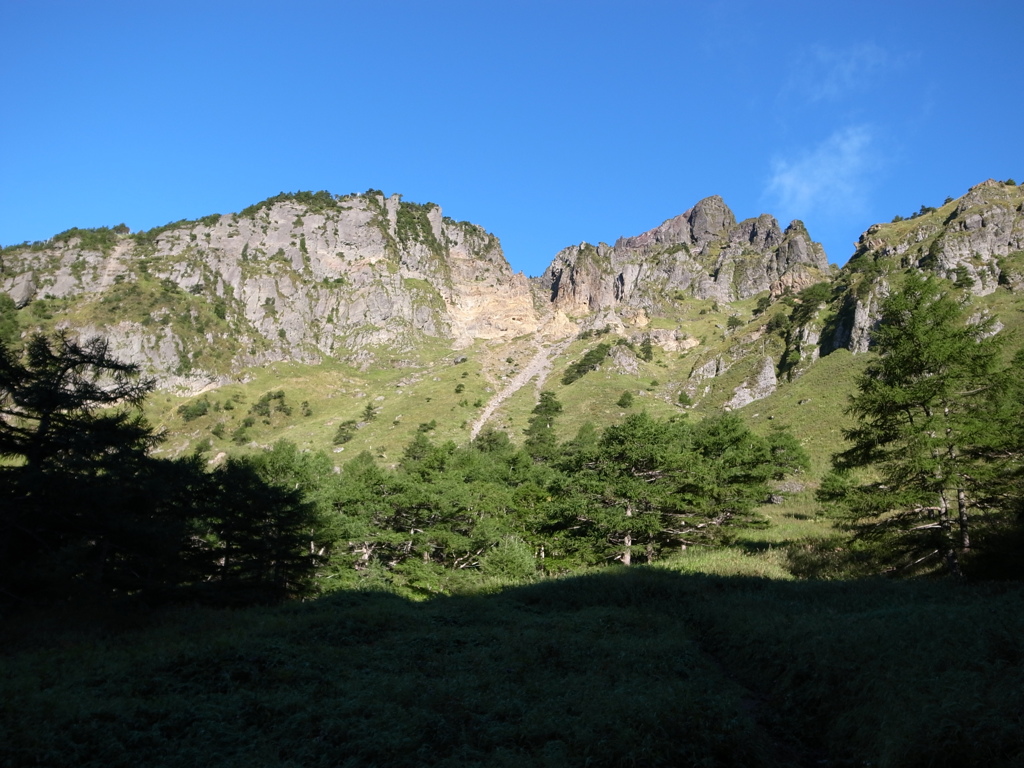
x=293, y=278
x=856, y=319
x=758, y=387
x=986, y=224
x=703, y=253
x=624, y=360
x=667, y=340
x=307, y=276
x=976, y=242
x=697, y=385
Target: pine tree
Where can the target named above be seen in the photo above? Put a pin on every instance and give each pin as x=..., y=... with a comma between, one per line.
x=262, y=541
x=921, y=410
x=541, y=442
x=76, y=449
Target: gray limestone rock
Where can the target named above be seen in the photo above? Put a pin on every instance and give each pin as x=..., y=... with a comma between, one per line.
x=624, y=360
x=763, y=383
x=283, y=280
x=703, y=253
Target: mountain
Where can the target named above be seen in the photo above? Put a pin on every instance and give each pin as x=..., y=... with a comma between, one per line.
x=370, y=296
x=975, y=242
x=702, y=253
x=300, y=277
x=296, y=277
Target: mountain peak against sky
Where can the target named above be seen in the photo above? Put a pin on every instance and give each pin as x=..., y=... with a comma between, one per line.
x=711, y=311
x=308, y=275
x=576, y=121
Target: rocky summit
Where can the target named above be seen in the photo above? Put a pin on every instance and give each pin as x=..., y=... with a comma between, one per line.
x=735, y=310
x=299, y=277
x=296, y=277
x=702, y=253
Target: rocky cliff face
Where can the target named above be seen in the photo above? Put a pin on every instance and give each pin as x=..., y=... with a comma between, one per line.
x=703, y=253
x=295, y=277
x=964, y=240
x=977, y=242
x=307, y=276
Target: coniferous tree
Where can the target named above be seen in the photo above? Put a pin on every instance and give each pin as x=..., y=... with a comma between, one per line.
x=8, y=319
x=650, y=486
x=86, y=511
x=723, y=474
x=922, y=409
x=262, y=541
x=77, y=449
x=541, y=442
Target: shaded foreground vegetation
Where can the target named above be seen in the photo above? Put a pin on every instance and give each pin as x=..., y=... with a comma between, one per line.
x=119, y=660
x=88, y=512
x=637, y=666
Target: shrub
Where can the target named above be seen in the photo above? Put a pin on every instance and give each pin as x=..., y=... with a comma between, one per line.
x=346, y=431
x=263, y=406
x=589, y=362
x=646, y=349
x=512, y=558
x=195, y=409
x=778, y=324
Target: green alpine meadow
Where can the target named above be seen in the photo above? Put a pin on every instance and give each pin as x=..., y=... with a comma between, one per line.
x=324, y=482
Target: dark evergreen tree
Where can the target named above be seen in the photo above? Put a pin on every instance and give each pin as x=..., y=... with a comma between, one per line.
x=922, y=410
x=77, y=467
x=261, y=541
x=723, y=475
x=623, y=484
x=86, y=511
x=541, y=442
x=8, y=319
x=649, y=486
x=646, y=350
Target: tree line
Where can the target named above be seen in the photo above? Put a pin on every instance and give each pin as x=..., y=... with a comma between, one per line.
x=932, y=480
x=89, y=510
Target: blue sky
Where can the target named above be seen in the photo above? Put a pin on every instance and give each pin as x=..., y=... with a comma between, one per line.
x=547, y=123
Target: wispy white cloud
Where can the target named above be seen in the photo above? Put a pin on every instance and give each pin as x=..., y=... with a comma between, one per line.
x=830, y=74
x=830, y=179
x=834, y=75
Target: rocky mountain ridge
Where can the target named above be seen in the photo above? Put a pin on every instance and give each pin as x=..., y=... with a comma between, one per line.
x=297, y=277
x=367, y=278
x=703, y=253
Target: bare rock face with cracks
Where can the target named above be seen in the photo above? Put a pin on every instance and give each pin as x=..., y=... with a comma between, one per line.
x=364, y=278
x=702, y=253
x=293, y=278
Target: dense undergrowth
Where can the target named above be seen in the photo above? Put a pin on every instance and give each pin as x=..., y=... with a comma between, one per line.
x=640, y=666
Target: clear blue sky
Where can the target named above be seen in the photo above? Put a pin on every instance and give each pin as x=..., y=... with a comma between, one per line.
x=547, y=123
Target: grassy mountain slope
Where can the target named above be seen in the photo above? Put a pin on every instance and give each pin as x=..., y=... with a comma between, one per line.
x=786, y=350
